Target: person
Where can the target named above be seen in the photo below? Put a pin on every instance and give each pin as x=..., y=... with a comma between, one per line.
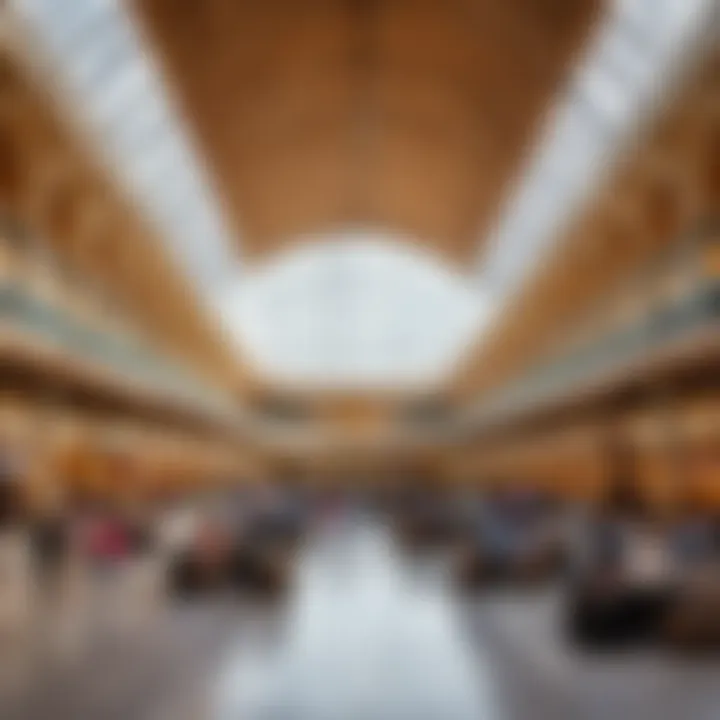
x=177, y=528
x=625, y=590
x=14, y=565
x=49, y=546
x=107, y=540
x=693, y=538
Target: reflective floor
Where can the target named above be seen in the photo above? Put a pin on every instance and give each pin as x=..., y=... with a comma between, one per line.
x=539, y=677
x=373, y=634
x=369, y=633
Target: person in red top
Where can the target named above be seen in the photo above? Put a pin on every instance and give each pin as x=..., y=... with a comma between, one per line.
x=107, y=539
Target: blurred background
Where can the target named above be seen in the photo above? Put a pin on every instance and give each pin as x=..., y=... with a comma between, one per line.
x=359, y=359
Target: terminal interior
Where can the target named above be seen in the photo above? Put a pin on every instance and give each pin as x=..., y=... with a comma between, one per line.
x=359, y=359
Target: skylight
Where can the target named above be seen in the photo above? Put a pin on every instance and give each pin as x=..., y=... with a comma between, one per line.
x=632, y=57
x=354, y=309
x=106, y=70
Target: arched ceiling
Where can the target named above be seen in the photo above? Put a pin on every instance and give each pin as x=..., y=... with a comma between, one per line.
x=411, y=115
x=400, y=118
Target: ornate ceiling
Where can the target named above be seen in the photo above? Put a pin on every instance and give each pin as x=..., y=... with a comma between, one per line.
x=471, y=128
x=409, y=115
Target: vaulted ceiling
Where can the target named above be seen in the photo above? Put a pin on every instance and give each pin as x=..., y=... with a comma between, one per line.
x=333, y=120
x=411, y=115
x=53, y=185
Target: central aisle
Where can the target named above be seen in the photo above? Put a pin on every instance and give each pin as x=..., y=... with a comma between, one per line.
x=367, y=636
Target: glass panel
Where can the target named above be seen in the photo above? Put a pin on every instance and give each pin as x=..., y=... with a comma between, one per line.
x=354, y=308
x=99, y=54
x=631, y=57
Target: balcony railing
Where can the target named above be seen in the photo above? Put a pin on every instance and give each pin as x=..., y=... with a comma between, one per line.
x=54, y=324
x=668, y=320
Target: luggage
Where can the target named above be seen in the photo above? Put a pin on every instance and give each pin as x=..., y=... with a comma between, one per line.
x=625, y=617
x=693, y=623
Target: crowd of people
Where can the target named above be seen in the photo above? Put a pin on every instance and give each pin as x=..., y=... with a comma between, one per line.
x=629, y=573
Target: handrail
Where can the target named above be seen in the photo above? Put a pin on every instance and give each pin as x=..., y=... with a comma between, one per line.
x=122, y=353
x=666, y=322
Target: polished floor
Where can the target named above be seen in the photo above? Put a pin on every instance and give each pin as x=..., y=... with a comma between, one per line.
x=368, y=636
x=369, y=633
